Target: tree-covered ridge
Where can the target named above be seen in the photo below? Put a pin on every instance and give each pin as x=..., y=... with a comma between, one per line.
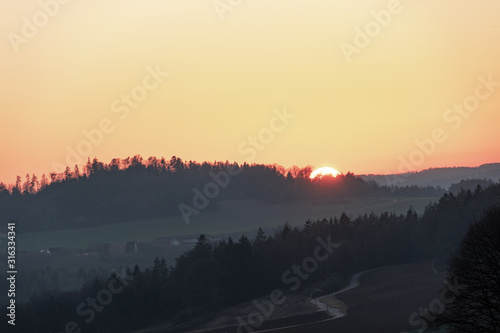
x=134, y=188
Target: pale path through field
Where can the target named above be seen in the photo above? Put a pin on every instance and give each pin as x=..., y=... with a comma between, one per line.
x=337, y=312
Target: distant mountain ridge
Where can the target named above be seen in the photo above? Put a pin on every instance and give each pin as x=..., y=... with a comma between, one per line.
x=443, y=177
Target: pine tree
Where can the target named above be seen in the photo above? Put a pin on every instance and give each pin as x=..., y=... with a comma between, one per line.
x=44, y=182
x=17, y=187
x=27, y=183
x=87, y=169
x=34, y=186
x=67, y=173
x=76, y=172
x=261, y=236
x=53, y=177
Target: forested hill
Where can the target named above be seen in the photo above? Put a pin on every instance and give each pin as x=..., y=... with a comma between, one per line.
x=134, y=188
x=444, y=177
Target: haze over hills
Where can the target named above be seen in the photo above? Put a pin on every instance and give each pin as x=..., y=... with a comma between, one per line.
x=443, y=177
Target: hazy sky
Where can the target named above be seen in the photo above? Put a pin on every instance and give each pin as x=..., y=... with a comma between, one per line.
x=359, y=104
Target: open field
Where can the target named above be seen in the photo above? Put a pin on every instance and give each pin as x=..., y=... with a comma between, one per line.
x=387, y=297
x=234, y=217
x=383, y=302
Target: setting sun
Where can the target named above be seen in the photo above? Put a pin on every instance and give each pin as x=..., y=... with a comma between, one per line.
x=325, y=171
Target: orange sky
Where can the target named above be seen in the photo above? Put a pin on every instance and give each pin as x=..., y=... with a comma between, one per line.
x=360, y=111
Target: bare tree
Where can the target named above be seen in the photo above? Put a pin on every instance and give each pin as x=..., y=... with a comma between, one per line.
x=476, y=266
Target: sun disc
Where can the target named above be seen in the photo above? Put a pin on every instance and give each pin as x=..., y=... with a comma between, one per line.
x=324, y=171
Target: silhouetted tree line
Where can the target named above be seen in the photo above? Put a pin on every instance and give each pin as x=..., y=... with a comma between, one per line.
x=134, y=188
x=444, y=223
x=214, y=275
x=470, y=184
